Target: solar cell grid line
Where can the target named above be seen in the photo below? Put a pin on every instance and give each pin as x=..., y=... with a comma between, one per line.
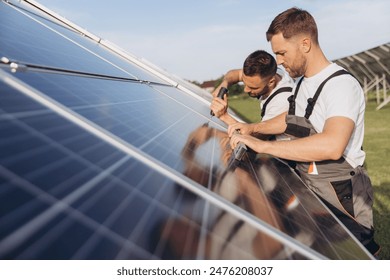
x=154, y=208
x=243, y=195
x=47, y=14
x=234, y=231
x=79, y=55
x=77, y=89
x=108, y=114
x=55, y=17
x=206, y=210
x=49, y=142
x=161, y=244
x=91, y=243
x=78, y=217
x=256, y=179
x=55, y=144
x=173, y=228
x=157, y=136
x=37, y=96
x=145, y=218
x=39, y=151
x=176, y=81
x=24, y=115
x=137, y=227
x=106, y=49
x=98, y=235
x=24, y=232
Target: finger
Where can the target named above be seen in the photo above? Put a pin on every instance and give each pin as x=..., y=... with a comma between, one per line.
x=221, y=102
x=235, y=140
x=232, y=128
x=232, y=145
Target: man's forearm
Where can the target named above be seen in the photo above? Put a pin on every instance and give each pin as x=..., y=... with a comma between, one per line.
x=329, y=144
x=233, y=77
x=226, y=118
x=273, y=126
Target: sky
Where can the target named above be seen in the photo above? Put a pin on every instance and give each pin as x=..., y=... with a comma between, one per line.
x=203, y=39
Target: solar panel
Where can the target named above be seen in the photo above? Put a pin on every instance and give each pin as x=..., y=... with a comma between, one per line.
x=368, y=64
x=104, y=158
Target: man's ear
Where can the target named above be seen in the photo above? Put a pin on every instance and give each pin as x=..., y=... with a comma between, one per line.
x=306, y=44
x=272, y=80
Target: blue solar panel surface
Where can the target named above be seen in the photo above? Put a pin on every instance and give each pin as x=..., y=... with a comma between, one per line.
x=47, y=49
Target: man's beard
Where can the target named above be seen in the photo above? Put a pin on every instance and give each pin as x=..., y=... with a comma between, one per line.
x=265, y=90
x=298, y=69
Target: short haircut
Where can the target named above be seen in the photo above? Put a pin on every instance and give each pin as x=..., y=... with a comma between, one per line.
x=292, y=22
x=260, y=63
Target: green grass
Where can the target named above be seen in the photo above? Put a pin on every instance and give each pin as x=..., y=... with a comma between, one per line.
x=246, y=107
x=377, y=147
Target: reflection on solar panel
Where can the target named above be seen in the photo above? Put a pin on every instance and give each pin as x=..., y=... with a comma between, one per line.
x=105, y=157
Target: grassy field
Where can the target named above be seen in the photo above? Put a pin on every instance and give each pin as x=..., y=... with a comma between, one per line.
x=377, y=147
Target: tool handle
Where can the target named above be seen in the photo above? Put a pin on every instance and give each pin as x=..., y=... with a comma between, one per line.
x=221, y=94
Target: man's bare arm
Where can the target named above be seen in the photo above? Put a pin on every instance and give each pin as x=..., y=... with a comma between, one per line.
x=328, y=145
x=274, y=126
x=231, y=77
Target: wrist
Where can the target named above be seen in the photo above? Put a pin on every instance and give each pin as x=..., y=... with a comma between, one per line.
x=225, y=83
x=226, y=118
x=256, y=128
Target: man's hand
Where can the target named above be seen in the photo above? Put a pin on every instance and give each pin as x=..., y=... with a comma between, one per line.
x=243, y=128
x=257, y=145
x=219, y=106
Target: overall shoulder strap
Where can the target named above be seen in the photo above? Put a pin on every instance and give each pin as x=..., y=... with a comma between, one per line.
x=312, y=101
x=280, y=90
x=291, y=99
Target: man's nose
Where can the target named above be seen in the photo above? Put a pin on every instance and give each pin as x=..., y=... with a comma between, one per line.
x=279, y=60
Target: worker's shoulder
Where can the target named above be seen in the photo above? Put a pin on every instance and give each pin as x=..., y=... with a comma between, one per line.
x=342, y=80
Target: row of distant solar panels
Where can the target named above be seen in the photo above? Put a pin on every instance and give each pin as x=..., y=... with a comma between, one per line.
x=102, y=159
x=370, y=64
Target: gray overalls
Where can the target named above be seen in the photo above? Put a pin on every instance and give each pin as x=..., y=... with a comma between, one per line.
x=347, y=191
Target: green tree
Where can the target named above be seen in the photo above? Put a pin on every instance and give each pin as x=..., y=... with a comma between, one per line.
x=235, y=89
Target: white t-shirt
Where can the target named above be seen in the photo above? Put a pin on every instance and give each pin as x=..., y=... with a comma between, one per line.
x=341, y=96
x=279, y=104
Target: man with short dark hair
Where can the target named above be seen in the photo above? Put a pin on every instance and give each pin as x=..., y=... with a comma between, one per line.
x=263, y=80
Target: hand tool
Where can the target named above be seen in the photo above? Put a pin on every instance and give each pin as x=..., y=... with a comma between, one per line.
x=240, y=149
x=221, y=94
